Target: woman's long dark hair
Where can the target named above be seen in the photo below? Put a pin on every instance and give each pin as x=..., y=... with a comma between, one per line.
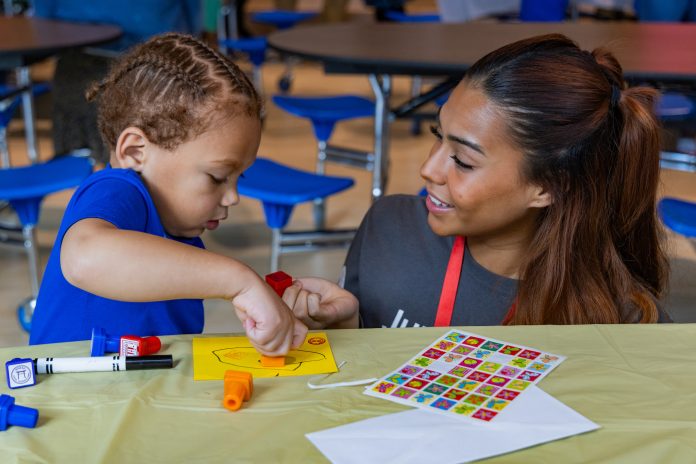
x=594, y=145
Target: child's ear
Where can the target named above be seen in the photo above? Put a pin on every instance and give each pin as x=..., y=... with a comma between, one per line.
x=131, y=149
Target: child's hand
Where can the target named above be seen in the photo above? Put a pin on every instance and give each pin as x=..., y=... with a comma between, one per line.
x=269, y=323
x=320, y=303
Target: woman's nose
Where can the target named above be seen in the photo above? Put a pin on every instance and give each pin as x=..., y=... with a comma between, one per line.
x=432, y=169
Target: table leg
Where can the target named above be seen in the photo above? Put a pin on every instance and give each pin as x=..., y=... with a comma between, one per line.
x=381, y=86
x=24, y=80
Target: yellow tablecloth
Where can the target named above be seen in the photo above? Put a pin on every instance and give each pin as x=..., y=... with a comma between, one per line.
x=637, y=382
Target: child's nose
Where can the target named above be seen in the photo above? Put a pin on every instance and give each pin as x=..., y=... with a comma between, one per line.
x=231, y=196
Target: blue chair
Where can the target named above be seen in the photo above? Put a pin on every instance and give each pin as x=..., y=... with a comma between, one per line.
x=324, y=113
x=679, y=216
x=543, y=10
x=10, y=99
x=673, y=107
x=25, y=188
x=400, y=17
x=281, y=20
x=280, y=188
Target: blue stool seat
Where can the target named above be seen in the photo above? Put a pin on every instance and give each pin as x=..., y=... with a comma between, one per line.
x=678, y=215
x=543, y=10
x=674, y=106
x=282, y=19
x=399, y=17
x=255, y=47
x=280, y=188
x=25, y=188
x=324, y=112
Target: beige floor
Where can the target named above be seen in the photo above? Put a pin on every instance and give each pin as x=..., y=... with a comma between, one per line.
x=290, y=140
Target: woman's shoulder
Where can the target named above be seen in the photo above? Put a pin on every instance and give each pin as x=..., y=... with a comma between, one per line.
x=398, y=206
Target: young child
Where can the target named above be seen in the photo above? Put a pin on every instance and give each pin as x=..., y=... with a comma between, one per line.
x=541, y=206
x=182, y=123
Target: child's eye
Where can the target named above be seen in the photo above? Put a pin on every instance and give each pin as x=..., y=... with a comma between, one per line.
x=461, y=163
x=434, y=130
x=216, y=181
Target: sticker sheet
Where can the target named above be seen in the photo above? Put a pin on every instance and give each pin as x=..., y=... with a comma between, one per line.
x=466, y=375
x=212, y=356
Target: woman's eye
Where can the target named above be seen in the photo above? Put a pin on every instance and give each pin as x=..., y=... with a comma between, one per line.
x=461, y=163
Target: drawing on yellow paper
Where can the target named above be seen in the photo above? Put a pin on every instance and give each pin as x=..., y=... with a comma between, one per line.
x=212, y=356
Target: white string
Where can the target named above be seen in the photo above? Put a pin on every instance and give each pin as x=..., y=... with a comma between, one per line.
x=352, y=383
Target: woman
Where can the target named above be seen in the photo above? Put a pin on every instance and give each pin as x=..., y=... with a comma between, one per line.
x=540, y=209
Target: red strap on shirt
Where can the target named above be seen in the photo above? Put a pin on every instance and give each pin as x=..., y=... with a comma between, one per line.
x=445, y=307
x=450, y=284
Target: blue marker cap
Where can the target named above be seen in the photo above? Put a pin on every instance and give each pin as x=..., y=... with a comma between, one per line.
x=13, y=414
x=102, y=343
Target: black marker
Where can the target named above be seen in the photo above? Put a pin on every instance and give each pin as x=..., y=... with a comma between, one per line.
x=102, y=364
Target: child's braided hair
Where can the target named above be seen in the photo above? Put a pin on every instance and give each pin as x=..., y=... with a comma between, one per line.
x=172, y=87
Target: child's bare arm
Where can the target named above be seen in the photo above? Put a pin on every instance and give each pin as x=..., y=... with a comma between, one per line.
x=133, y=266
x=320, y=304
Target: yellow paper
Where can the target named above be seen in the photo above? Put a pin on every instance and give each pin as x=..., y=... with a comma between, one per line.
x=213, y=356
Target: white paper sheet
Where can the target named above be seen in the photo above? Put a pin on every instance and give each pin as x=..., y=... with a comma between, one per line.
x=418, y=436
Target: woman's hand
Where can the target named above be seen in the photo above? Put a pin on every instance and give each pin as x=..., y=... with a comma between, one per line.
x=321, y=304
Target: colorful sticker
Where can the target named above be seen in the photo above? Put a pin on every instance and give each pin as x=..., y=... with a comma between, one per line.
x=509, y=371
x=507, y=395
x=433, y=353
x=423, y=362
x=455, y=337
x=397, y=378
x=410, y=370
x=435, y=389
x=496, y=404
x=455, y=394
x=529, y=376
x=498, y=380
x=548, y=358
x=511, y=350
x=459, y=371
x=428, y=375
x=529, y=354
x=519, y=362
x=478, y=376
x=464, y=409
x=384, y=387
x=539, y=367
x=447, y=380
x=416, y=383
x=445, y=345
x=481, y=354
x=518, y=385
x=442, y=403
x=490, y=367
x=402, y=392
x=468, y=385
x=474, y=341
x=470, y=363
x=488, y=390
x=491, y=346
x=451, y=357
x=476, y=400
x=484, y=414
x=422, y=398
x=461, y=349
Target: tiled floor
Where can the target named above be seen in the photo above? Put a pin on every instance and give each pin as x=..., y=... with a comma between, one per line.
x=288, y=139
